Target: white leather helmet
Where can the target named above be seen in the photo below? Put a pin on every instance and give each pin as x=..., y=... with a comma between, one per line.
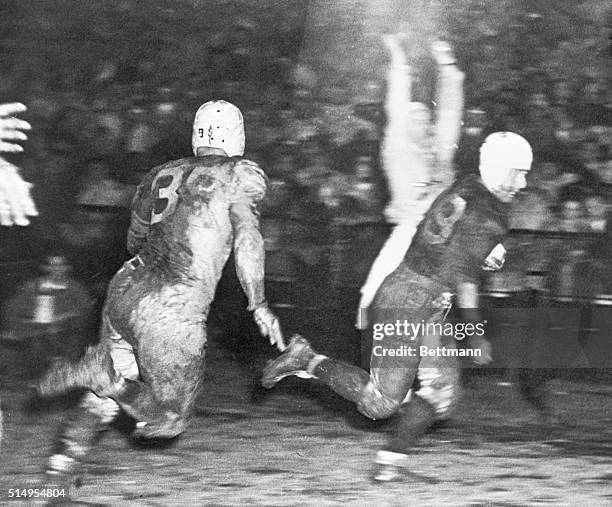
x=219, y=124
x=501, y=153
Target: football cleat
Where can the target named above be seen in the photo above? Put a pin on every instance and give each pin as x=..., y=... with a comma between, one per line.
x=293, y=361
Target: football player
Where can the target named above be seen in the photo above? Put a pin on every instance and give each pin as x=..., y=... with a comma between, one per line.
x=187, y=217
x=460, y=234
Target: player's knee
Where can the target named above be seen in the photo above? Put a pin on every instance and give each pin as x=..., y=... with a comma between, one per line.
x=105, y=409
x=376, y=405
x=171, y=425
x=442, y=397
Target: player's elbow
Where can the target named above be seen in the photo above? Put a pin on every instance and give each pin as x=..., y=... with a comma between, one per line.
x=250, y=245
x=134, y=243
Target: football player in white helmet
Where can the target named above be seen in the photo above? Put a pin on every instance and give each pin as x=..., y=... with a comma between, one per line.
x=416, y=154
x=505, y=160
x=460, y=234
x=187, y=217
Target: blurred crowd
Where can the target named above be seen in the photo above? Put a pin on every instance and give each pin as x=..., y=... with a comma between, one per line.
x=112, y=88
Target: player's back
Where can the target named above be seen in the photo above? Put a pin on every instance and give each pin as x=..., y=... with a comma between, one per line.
x=187, y=205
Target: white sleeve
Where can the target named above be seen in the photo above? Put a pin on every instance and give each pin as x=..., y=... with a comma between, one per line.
x=402, y=162
x=389, y=258
x=450, y=100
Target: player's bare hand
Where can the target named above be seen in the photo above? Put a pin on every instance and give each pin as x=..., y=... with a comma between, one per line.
x=484, y=346
x=442, y=53
x=269, y=326
x=11, y=129
x=16, y=203
x=362, y=322
x=393, y=44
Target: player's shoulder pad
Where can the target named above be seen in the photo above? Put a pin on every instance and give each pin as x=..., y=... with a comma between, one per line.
x=250, y=179
x=181, y=163
x=482, y=206
x=248, y=166
x=144, y=188
x=152, y=173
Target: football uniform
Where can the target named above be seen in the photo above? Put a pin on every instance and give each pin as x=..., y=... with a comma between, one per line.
x=183, y=229
x=458, y=233
x=187, y=217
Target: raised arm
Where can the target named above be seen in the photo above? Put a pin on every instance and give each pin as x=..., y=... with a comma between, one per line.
x=450, y=102
x=249, y=253
x=402, y=158
x=399, y=79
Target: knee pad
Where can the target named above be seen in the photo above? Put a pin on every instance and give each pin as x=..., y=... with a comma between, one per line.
x=375, y=405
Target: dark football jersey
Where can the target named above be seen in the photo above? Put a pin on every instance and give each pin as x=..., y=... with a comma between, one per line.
x=458, y=232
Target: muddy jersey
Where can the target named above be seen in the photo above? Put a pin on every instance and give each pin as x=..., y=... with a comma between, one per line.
x=181, y=223
x=460, y=230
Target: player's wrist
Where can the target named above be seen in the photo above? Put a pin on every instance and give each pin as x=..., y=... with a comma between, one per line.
x=262, y=305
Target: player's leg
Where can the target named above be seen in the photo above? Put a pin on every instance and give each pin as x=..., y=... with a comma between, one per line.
x=378, y=394
x=80, y=432
x=95, y=412
x=434, y=400
x=134, y=396
x=94, y=370
x=104, y=364
x=534, y=370
x=170, y=357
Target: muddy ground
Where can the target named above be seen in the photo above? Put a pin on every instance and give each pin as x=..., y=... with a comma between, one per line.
x=300, y=445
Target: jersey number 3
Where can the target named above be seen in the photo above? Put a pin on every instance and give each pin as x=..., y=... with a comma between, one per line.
x=442, y=218
x=165, y=189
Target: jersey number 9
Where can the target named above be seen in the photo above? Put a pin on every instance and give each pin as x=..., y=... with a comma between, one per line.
x=442, y=218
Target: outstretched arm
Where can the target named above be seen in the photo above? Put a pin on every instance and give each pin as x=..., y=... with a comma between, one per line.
x=249, y=255
x=249, y=252
x=399, y=80
x=402, y=160
x=450, y=102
